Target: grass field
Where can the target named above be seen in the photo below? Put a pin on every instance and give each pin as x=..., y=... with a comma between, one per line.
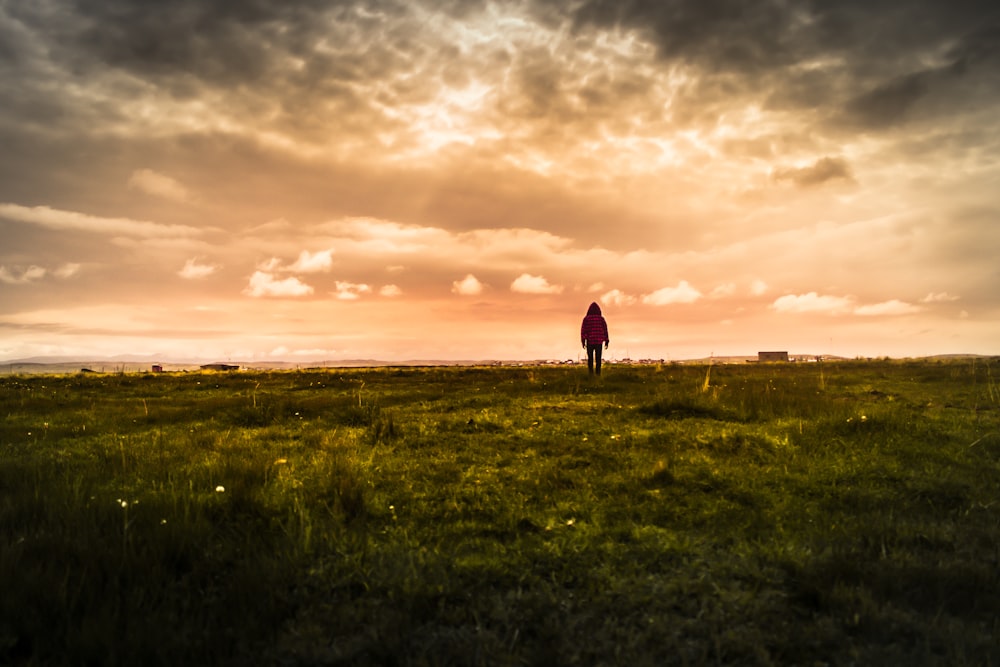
x=789, y=514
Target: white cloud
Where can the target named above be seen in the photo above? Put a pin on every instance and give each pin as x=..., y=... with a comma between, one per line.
x=349, y=291
x=529, y=284
x=193, y=270
x=467, y=286
x=758, y=288
x=390, y=291
x=312, y=262
x=374, y=236
x=270, y=266
x=938, y=297
x=13, y=277
x=67, y=270
x=722, y=291
x=153, y=183
x=812, y=303
x=33, y=273
x=43, y=216
x=891, y=307
x=683, y=293
x=306, y=262
x=263, y=284
x=617, y=298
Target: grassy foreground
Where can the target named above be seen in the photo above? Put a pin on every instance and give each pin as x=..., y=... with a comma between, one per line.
x=794, y=514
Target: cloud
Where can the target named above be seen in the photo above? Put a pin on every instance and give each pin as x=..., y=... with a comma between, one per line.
x=312, y=262
x=159, y=185
x=263, y=284
x=467, y=286
x=758, y=288
x=891, y=307
x=390, y=291
x=23, y=277
x=889, y=103
x=823, y=170
x=306, y=262
x=617, y=298
x=346, y=291
x=192, y=270
x=50, y=218
x=938, y=297
x=722, y=291
x=683, y=293
x=270, y=266
x=529, y=284
x=812, y=303
x=33, y=273
x=67, y=270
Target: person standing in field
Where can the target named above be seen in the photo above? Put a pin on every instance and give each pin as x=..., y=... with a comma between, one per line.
x=594, y=333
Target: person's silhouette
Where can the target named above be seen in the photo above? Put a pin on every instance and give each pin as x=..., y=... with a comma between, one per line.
x=594, y=333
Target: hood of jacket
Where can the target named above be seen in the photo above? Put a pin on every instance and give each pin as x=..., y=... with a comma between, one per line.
x=594, y=309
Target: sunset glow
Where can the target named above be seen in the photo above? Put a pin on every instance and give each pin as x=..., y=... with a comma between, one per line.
x=459, y=180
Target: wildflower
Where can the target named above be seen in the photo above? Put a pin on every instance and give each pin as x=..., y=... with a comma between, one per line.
x=571, y=522
x=220, y=489
x=280, y=462
x=163, y=522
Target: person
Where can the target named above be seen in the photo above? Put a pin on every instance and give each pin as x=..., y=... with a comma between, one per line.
x=594, y=333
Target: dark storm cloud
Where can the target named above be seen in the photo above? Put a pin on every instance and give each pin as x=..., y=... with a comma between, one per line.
x=224, y=41
x=291, y=56
x=889, y=103
x=730, y=34
x=868, y=59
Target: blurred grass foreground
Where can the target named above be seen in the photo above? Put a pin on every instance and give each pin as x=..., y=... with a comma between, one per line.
x=840, y=513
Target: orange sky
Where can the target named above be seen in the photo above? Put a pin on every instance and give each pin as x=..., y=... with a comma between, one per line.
x=322, y=180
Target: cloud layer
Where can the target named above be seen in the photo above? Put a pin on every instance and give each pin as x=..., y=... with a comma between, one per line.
x=720, y=175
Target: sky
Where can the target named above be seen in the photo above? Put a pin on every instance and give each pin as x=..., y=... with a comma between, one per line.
x=459, y=179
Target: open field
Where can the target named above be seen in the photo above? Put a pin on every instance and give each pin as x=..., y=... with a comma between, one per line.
x=792, y=514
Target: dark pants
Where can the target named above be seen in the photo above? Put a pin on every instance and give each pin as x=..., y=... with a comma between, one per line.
x=594, y=358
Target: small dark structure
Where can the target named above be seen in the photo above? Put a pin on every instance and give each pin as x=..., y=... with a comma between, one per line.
x=765, y=357
x=219, y=367
x=157, y=368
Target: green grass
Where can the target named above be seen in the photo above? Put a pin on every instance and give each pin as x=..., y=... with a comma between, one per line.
x=791, y=514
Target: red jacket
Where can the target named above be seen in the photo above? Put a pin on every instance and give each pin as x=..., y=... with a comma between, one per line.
x=594, y=329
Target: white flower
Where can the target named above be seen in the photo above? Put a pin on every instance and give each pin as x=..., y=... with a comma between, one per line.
x=220, y=489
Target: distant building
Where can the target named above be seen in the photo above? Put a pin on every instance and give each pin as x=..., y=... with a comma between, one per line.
x=157, y=368
x=219, y=367
x=763, y=357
